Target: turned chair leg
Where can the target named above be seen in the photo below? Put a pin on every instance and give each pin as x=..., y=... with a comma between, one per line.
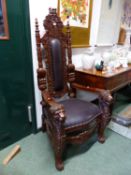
x=59, y=147
x=58, y=162
x=101, y=129
x=43, y=123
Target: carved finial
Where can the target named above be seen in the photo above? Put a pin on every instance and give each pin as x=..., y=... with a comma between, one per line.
x=38, y=42
x=52, y=10
x=36, y=24
x=68, y=19
x=52, y=21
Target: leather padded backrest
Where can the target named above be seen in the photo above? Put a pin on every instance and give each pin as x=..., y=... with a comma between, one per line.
x=56, y=59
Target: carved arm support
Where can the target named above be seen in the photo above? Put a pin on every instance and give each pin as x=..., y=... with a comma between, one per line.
x=71, y=79
x=56, y=109
x=106, y=104
x=71, y=72
x=41, y=73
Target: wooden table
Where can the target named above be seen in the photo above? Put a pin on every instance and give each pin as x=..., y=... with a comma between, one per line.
x=104, y=80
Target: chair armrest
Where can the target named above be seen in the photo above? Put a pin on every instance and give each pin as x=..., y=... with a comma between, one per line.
x=103, y=94
x=105, y=100
x=55, y=108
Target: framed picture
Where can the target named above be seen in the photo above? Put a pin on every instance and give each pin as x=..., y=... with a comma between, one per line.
x=4, y=33
x=79, y=13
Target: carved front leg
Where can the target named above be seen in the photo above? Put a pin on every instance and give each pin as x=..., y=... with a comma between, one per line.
x=43, y=116
x=59, y=139
x=43, y=120
x=106, y=103
x=55, y=128
x=101, y=129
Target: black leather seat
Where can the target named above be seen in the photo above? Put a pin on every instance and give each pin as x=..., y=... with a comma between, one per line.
x=79, y=112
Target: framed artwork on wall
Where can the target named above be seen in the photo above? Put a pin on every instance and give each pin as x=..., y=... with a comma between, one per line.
x=4, y=33
x=79, y=13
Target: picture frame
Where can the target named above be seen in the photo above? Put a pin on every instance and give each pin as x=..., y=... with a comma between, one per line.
x=79, y=13
x=4, y=32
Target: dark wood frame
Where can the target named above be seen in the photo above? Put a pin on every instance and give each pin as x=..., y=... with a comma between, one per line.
x=6, y=31
x=53, y=112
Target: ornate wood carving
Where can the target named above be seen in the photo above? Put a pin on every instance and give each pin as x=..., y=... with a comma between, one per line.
x=41, y=73
x=54, y=114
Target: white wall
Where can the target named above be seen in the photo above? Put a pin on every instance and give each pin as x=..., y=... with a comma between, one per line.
x=109, y=24
x=96, y=12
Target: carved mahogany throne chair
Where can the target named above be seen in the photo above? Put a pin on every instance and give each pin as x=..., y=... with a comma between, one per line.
x=65, y=118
